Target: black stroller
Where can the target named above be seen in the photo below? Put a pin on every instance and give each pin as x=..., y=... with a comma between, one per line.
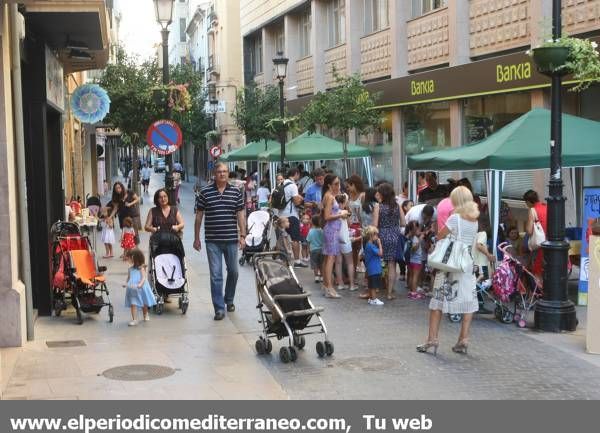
x=168, y=270
x=285, y=308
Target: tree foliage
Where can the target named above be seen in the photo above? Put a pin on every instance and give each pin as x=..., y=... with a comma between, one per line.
x=348, y=106
x=255, y=108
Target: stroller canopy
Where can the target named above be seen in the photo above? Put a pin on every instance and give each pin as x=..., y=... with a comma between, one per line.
x=165, y=242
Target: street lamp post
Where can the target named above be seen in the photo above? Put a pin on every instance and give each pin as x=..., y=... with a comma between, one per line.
x=164, y=17
x=214, y=104
x=554, y=312
x=281, y=63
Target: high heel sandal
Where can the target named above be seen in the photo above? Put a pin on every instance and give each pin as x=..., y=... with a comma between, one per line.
x=424, y=348
x=460, y=347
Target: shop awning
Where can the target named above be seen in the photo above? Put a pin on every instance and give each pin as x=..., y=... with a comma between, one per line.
x=82, y=24
x=314, y=147
x=251, y=151
x=523, y=144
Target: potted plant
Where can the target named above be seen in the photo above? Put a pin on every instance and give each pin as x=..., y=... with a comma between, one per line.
x=176, y=95
x=569, y=55
x=213, y=137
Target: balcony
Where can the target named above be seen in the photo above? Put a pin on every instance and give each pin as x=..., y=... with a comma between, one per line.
x=496, y=25
x=212, y=65
x=305, y=76
x=428, y=40
x=580, y=16
x=376, y=55
x=335, y=58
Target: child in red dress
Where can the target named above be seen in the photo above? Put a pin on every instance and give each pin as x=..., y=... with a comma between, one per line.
x=127, y=236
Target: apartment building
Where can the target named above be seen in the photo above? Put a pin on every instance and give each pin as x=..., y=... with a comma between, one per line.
x=449, y=72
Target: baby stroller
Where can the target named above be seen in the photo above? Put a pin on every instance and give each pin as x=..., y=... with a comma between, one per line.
x=285, y=308
x=167, y=270
x=76, y=276
x=259, y=235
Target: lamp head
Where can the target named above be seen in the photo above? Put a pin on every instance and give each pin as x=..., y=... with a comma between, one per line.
x=280, y=62
x=164, y=12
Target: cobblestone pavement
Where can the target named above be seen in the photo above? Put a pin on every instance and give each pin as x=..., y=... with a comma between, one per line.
x=375, y=356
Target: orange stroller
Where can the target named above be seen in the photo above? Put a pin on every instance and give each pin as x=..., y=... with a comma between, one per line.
x=76, y=277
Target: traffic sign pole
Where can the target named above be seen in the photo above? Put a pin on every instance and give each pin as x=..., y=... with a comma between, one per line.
x=164, y=137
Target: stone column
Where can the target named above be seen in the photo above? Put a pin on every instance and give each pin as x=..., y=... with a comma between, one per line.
x=399, y=15
x=292, y=51
x=12, y=291
x=541, y=11
x=319, y=42
x=268, y=43
x=354, y=32
x=398, y=151
x=458, y=29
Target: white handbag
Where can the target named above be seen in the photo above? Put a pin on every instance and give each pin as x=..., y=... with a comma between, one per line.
x=538, y=237
x=451, y=255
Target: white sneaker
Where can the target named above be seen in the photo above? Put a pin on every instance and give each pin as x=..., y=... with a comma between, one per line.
x=353, y=288
x=132, y=323
x=320, y=278
x=420, y=290
x=317, y=280
x=341, y=287
x=147, y=318
x=375, y=301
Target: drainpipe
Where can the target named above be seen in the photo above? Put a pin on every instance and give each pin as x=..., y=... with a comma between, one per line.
x=13, y=15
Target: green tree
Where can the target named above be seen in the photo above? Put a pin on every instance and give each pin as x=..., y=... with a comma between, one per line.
x=348, y=106
x=255, y=108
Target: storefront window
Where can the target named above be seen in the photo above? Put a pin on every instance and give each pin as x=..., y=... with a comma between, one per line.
x=426, y=127
x=380, y=144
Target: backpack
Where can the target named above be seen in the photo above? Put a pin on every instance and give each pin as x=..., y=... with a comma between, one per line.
x=278, y=200
x=505, y=279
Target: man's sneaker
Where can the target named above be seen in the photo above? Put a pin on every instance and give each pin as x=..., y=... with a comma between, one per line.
x=300, y=264
x=375, y=301
x=317, y=280
x=320, y=278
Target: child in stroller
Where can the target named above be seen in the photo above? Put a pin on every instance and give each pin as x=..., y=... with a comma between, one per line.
x=259, y=235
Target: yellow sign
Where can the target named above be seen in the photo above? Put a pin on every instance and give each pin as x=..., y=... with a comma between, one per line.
x=426, y=87
x=515, y=72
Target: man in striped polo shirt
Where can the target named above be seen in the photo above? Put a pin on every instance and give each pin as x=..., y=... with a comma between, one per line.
x=221, y=206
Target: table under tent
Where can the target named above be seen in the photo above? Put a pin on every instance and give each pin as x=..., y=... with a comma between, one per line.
x=523, y=144
x=312, y=149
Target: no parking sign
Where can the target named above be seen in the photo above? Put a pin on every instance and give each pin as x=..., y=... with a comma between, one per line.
x=215, y=151
x=164, y=137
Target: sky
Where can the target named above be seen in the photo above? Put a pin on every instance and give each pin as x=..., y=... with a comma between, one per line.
x=139, y=30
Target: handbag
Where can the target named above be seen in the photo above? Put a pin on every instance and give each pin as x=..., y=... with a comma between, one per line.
x=538, y=237
x=451, y=255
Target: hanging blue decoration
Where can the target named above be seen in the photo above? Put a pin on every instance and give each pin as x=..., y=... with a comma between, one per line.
x=90, y=103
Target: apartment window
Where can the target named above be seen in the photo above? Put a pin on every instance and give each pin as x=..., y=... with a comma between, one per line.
x=182, y=27
x=280, y=40
x=305, y=29
x=257, y=55
x=336, y=18
x=421, y=7
x=377, y=15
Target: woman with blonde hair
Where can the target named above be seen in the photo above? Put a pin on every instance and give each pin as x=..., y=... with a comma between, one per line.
x=455, y=293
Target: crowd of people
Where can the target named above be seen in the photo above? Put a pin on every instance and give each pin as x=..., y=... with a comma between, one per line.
x=351, y=235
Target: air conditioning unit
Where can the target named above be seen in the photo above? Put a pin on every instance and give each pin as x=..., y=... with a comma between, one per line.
x=100, y=150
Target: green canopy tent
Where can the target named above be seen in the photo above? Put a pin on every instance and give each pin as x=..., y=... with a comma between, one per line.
x=250, y=151
x=523, y=144
x=317, y=147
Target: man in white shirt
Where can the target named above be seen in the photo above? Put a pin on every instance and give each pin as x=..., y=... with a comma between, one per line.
x=146, y=173
x=424, y=214
x=293, y=200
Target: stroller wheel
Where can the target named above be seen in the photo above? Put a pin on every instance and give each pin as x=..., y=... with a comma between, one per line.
x=260, y=347
x=498, y=312
x=455, y=318
x=299, y=341
x=79, y=316
x=111, y=313
x=329, y=348
x=320, y=349
x=268, y=346
x=285, y=355
x=184, y=306
x=522, y=323
x=507, y=317
x=293, y=353
x=160, y=307
x=242, y=261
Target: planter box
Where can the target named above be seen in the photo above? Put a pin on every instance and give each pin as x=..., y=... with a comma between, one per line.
x=549, y=59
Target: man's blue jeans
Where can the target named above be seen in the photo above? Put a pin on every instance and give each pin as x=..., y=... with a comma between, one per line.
x=216, y=251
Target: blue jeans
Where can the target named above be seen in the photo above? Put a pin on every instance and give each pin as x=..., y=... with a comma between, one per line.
x=216, y=251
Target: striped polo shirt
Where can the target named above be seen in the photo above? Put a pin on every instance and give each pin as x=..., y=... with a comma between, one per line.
x=220, y=212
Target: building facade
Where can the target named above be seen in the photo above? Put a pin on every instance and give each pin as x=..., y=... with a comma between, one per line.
x=37, y=139
x=448, y=72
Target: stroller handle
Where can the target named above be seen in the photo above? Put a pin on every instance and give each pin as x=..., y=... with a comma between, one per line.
x=285, y=257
